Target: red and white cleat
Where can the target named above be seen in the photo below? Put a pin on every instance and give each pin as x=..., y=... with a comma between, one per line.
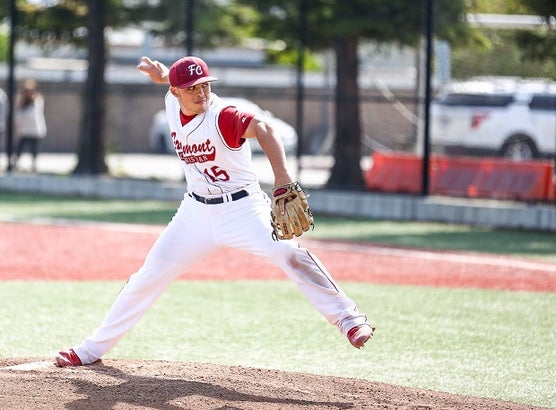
x=67, y=358
x=360, y=334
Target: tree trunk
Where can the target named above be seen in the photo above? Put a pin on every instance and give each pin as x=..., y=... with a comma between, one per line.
x=91, y=139
x=346, y=172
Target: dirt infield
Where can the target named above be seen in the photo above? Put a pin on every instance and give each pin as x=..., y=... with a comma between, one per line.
x=105, y=252
x=116, y=384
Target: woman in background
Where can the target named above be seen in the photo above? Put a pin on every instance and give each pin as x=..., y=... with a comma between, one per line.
x=30, y=123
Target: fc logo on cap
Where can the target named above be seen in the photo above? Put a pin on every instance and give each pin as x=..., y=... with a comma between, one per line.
x=189, y=71
x=195, y=69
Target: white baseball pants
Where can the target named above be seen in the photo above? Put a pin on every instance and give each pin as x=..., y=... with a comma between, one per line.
x=198, y=229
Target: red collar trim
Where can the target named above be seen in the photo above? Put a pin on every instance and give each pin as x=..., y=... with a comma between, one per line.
x=185, y=118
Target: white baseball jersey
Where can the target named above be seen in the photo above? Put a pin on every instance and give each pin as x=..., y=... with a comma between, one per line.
x=211, y=166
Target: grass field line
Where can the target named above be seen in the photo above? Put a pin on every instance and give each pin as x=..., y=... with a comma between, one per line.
x=114, y=226
x=437, y=255
x=346, y=246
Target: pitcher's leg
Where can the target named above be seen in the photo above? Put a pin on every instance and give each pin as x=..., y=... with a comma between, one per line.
x=138, y=294
x=318, y=286
x=301, y=266
x=173, y=253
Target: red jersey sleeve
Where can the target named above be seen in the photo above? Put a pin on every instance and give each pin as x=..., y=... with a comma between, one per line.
x=233, y=124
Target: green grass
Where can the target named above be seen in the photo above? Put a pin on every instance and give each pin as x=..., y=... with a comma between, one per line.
x=531, y=244
x=479, y=343
x=28, y=206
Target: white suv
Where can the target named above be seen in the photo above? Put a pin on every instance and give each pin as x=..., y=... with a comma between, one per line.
x=508, y=117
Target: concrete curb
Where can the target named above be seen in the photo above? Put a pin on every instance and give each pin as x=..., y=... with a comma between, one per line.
x=490, y=213
x=95, y=187
x=500, y=214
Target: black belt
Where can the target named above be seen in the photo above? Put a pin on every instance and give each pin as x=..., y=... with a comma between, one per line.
x=220, y=199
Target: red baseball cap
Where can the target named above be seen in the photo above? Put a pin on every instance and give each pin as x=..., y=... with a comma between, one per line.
x=189, y=71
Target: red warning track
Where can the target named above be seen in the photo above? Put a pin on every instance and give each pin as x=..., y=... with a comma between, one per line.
x=114, y=251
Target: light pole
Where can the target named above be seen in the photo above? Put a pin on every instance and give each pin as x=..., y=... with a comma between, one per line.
x=428, y=69
x=11, y=84
x=300, y=86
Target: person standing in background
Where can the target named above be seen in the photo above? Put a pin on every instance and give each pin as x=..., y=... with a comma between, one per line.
x=3, y=114
x=30, y=124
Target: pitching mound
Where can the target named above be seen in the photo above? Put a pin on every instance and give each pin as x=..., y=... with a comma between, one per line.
x=125, y=384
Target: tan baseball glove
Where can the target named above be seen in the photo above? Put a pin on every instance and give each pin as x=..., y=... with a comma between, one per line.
x=291, y=215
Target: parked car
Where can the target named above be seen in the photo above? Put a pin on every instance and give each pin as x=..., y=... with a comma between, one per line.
x=159, y=134
x=507, y=117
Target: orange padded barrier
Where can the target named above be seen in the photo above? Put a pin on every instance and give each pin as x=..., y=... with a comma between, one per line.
x=552, y=189
x=464, y=177
x=528, y=181
x=394, y=173
x=452, y=177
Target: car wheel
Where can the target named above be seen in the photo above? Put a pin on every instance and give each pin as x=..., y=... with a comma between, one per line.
x=519, y=148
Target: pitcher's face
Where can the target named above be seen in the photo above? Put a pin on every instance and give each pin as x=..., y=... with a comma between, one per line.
x=193, y=100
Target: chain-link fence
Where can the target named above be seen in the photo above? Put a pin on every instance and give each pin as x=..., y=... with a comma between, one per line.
x=493, y=108
x=492, y=129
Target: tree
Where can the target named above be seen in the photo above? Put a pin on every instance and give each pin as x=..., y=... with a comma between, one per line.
x=539, y=45
x=512, y=51
x=4, y=36
x=77, y=23
x=90, y=153
x=341, y=26
x=217, y=24
x=83, y=22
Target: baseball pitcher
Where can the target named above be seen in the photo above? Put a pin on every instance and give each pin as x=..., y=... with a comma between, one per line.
x=223, y=206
